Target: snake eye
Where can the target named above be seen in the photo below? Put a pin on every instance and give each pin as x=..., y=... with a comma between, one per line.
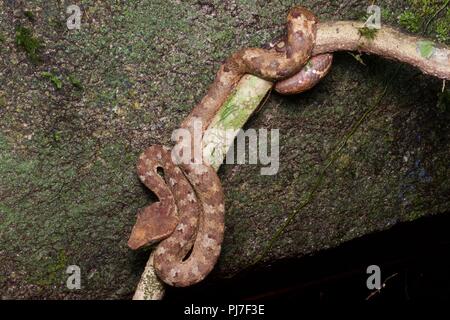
x=188, y=254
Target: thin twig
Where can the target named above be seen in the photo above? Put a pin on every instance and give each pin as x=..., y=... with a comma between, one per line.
x=382, y=286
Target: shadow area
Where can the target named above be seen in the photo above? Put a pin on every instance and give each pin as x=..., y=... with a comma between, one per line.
x=413, y=258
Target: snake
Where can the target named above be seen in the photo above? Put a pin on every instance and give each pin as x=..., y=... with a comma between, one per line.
x=187, y=221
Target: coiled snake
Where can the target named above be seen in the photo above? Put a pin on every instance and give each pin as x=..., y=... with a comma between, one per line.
x=189, y=216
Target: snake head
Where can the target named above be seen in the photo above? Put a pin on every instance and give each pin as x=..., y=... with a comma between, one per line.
x=154, y=223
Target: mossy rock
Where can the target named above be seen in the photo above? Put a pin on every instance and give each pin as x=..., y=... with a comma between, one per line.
x=69, y=193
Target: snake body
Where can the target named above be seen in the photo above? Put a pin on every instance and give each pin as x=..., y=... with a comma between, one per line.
x=189, y=216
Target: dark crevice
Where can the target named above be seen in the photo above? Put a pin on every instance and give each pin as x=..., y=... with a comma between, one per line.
x=413, y=256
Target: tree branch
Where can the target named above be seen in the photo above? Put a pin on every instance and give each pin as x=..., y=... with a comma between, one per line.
x=387, y=43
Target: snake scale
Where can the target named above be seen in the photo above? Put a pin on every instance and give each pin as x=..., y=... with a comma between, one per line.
x=188, y=219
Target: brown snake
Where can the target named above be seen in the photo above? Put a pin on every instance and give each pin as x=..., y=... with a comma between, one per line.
x=189, y=216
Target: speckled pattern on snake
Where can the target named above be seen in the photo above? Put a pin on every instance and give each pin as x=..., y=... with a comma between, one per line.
x=188, y=219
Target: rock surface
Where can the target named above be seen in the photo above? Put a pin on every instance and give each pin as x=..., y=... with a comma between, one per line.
x=69, y=193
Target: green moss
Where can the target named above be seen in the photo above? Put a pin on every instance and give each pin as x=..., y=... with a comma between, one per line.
x=54, y=79
x=60, y=217
x=410, y=20
x=240, y=105
x=56, y=23
x=29, y=43
x=57, y=136
x=429, y=17
x=51, y=271
x=386, y=14
x=443, y=29
x=67, y=164
x=368, y=33
x=76, y=82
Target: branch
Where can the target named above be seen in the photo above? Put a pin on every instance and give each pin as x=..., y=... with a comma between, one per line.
x=149, y=287
x=387, y=43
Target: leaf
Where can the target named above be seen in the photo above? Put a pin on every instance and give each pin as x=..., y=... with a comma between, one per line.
x=357, y=57
x=426, y=48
